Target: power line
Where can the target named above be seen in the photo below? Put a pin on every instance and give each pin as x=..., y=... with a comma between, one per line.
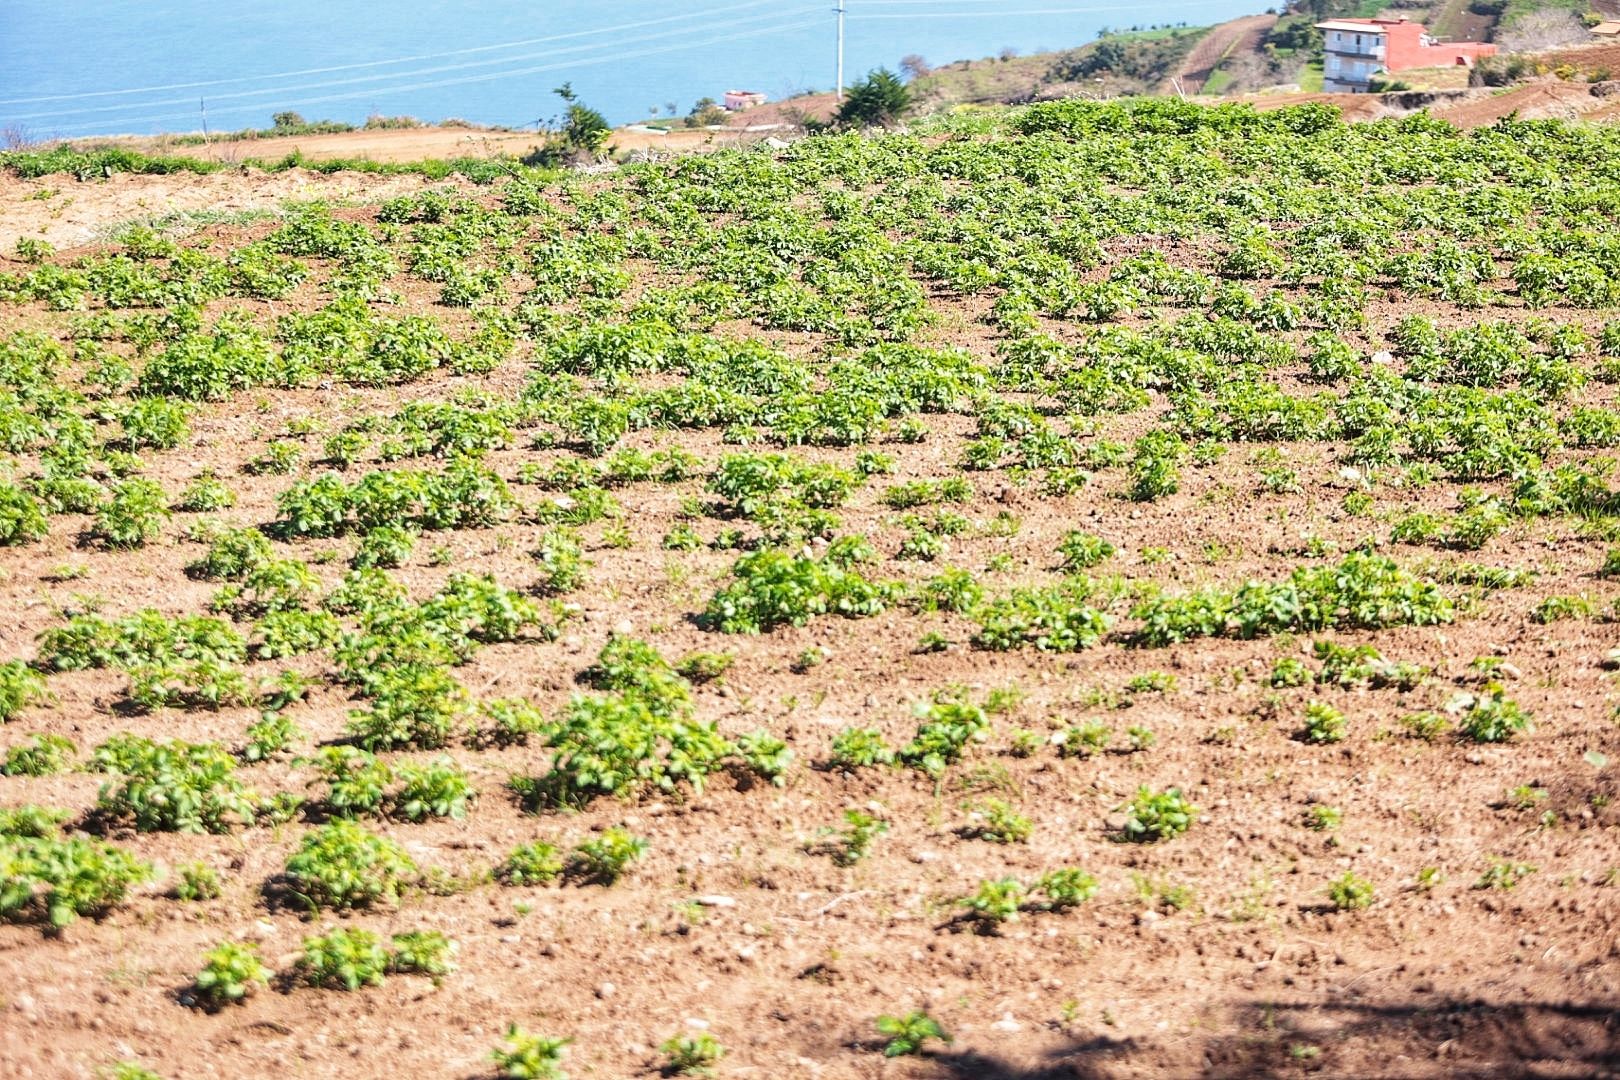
x=706, y=14
x=1026, y=11
x=488, y=77
x=282, y=91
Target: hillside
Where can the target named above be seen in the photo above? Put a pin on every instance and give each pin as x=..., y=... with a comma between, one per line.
x=1100, y=589
x=1117, y=64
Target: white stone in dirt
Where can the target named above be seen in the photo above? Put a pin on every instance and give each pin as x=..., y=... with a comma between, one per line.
x=717, y=901
x=1007, y=1023
x=606, y=990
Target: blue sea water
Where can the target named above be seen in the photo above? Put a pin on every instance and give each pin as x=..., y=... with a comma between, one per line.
x=83, y=67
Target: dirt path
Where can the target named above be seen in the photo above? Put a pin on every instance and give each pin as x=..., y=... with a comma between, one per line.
x=1222, y=41
x=68, y=213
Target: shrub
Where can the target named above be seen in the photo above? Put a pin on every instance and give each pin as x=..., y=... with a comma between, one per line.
x=340, y=865
x=230, y=974
x=879, y=100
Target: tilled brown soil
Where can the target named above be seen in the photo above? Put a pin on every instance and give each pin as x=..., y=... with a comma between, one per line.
x=731, y=923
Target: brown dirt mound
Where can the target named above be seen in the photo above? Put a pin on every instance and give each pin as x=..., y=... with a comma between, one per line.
x=1532, y=101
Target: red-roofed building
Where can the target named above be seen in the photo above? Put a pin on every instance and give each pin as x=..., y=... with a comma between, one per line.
x=1355, y=50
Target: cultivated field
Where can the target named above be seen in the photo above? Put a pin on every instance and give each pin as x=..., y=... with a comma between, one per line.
x=1127, y=587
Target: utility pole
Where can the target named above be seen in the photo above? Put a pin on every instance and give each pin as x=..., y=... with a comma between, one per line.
x=840, y=50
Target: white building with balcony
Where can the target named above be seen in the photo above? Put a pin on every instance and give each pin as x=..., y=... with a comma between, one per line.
x=1352, y=53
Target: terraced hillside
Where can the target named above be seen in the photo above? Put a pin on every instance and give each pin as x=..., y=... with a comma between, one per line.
x=1096, y=590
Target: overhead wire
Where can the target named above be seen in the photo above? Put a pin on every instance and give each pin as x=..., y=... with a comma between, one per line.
x=468, y=79
x=285, y=91
x=707, y=14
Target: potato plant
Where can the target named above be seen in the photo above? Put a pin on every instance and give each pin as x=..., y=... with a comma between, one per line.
x=1181, y=444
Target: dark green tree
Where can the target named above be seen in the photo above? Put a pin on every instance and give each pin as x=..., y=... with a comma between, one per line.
x=879, y=99
x=581, y=133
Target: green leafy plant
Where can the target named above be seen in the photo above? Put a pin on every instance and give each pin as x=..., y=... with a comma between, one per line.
x=1066, y=888
x=524, y=1056
x=344, y=959
x=908, y=1034
x=133, y=515
x=765, y=755
x=1349, y=892
x=340, y=865
x=421, y=952
x=1082, y=551
x=1152, y=816
x=996, y=902
x=996, y=820
x=604, y=858
x=46, y=879
x=198, y=881
x=1323, y=724
x=230, y=974
x=692, y=1055
x=172, y=787
x=20, y=687
x=854, y=840
x=46, y=754
x=438, y=788
x=534, y=863
x=1489, y=716
x=860, y=748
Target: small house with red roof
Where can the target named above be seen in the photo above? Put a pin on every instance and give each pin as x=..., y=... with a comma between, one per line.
x=1354, y=50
